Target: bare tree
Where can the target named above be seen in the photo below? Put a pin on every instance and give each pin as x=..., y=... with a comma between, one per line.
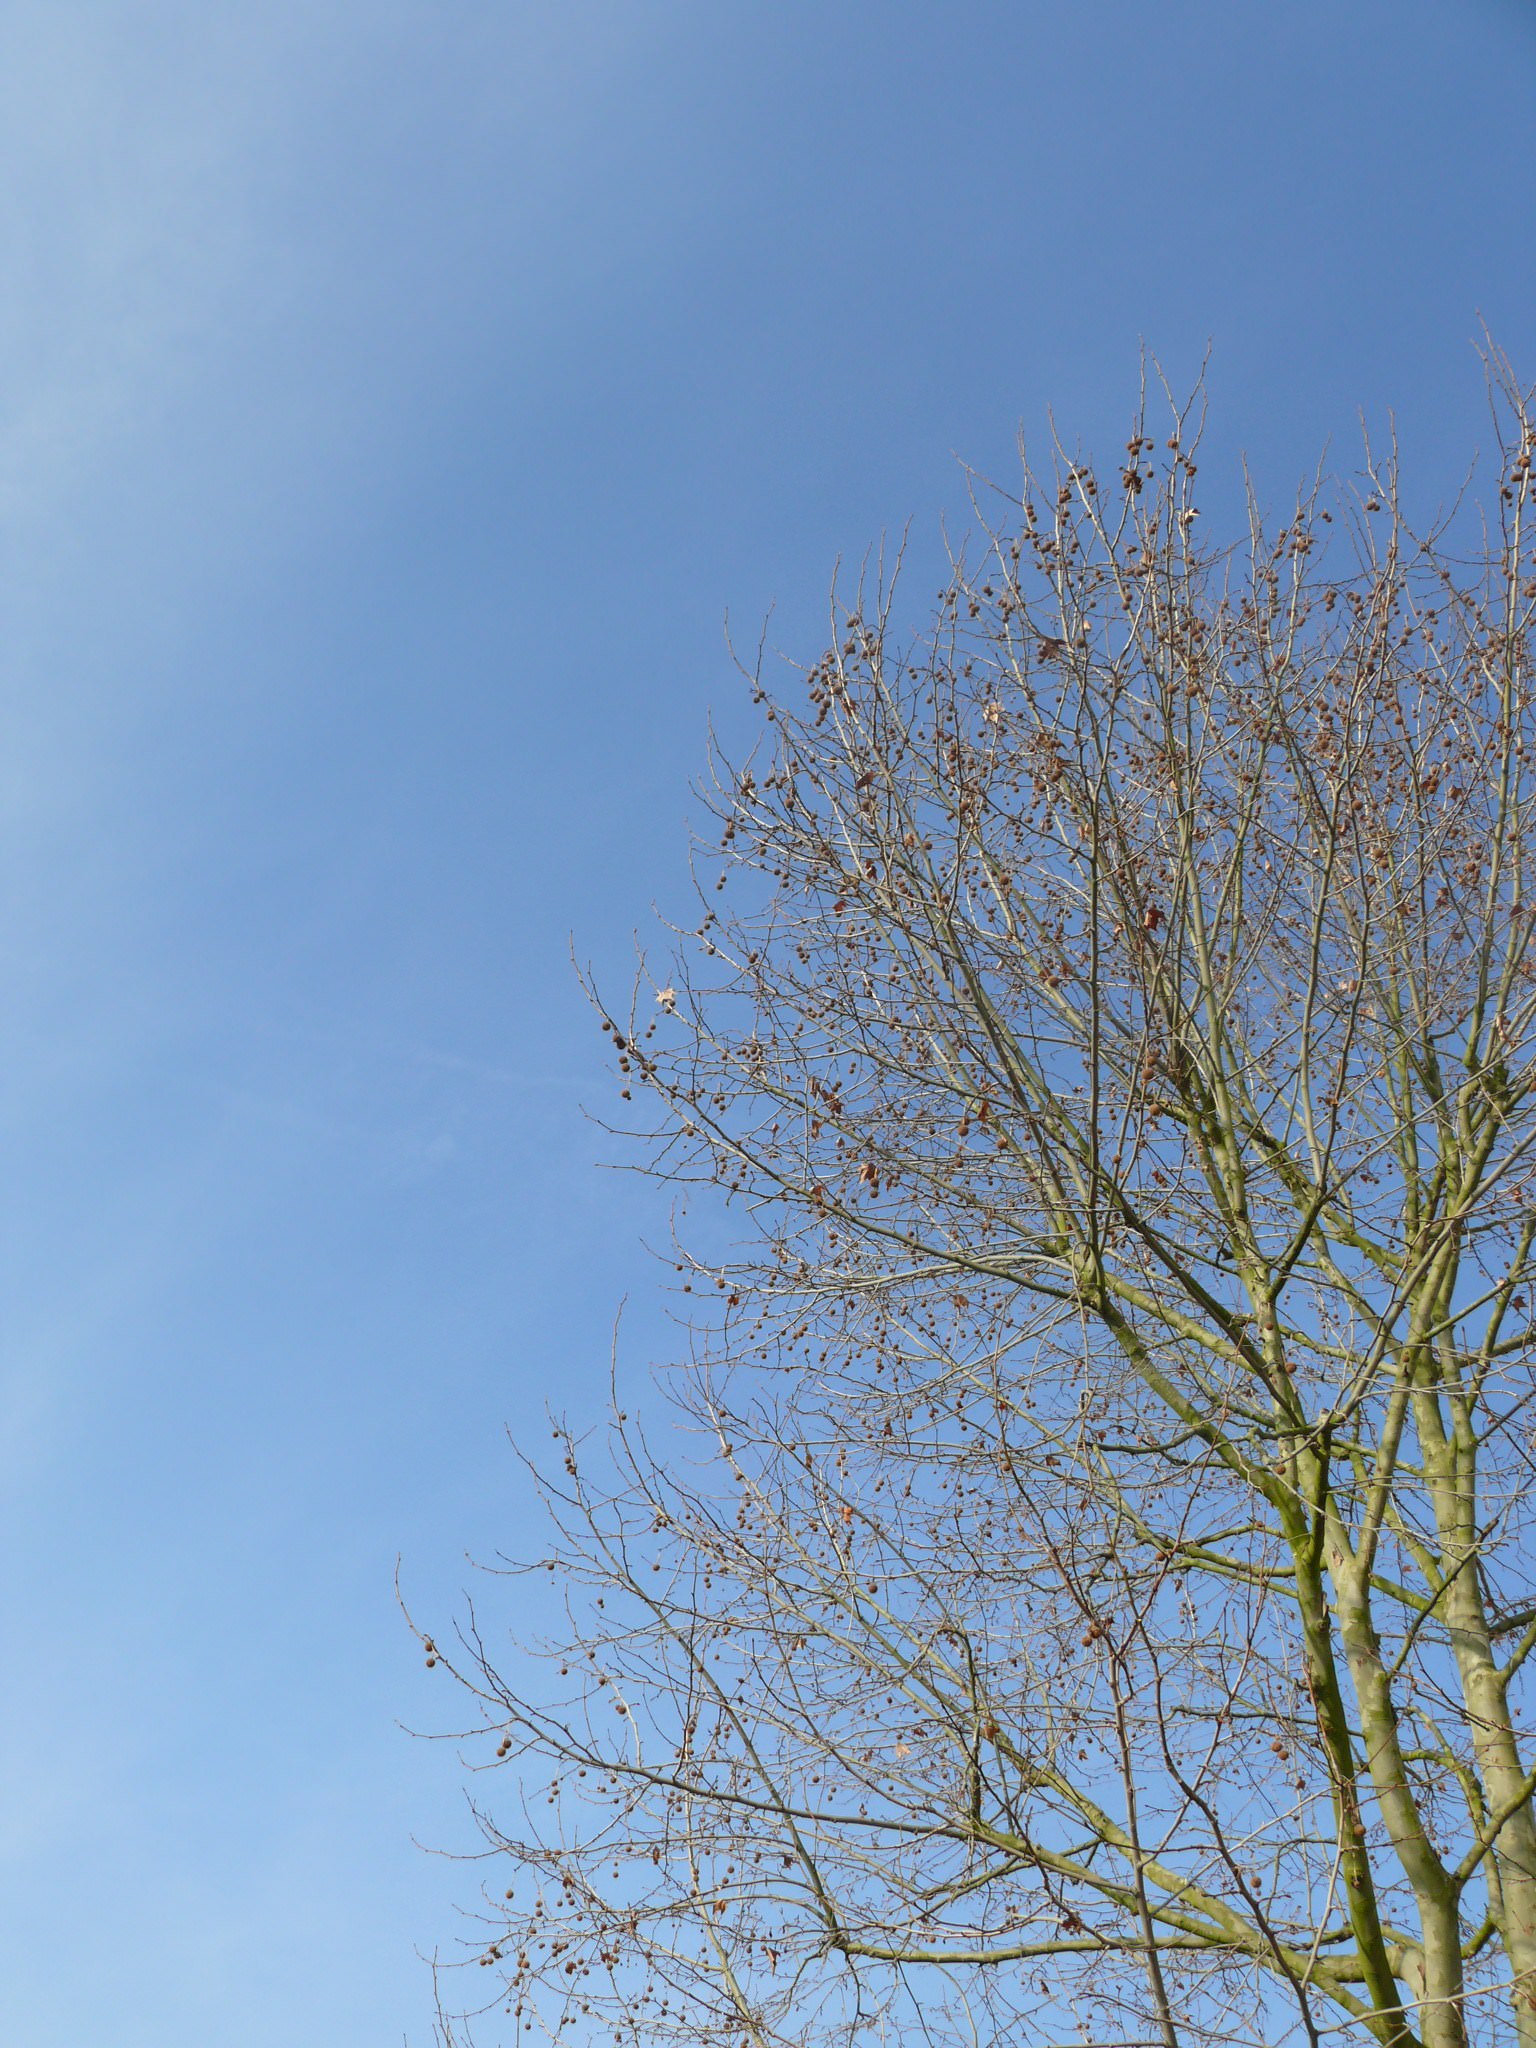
x=1094, y=1599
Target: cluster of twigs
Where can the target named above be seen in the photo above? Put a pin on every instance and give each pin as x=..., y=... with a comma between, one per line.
x=1099, y=1599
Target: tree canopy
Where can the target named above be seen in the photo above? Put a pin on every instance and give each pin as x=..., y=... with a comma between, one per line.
x=1093, y=1598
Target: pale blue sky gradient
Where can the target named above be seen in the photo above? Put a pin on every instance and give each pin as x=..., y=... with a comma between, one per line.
x=393, y=398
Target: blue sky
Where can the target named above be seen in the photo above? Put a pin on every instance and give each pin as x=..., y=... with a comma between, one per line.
x=393, y=399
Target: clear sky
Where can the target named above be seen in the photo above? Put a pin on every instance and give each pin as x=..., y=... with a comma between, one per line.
x=394, y=396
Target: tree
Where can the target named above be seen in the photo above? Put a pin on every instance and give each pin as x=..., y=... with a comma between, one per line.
x=1096, y=1598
